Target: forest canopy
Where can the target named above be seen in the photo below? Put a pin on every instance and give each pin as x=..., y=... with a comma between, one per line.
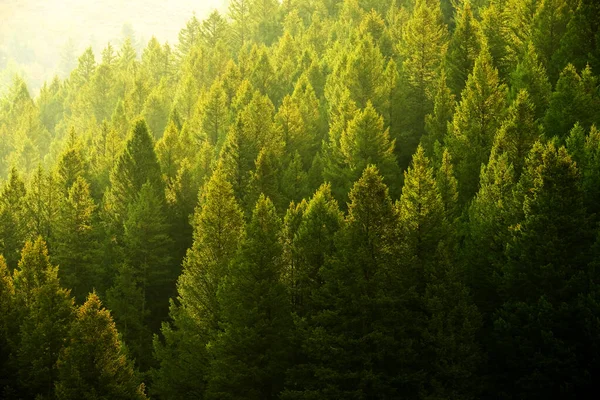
x=310, y=199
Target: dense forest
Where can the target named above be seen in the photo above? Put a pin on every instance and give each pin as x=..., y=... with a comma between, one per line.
x=311, y=199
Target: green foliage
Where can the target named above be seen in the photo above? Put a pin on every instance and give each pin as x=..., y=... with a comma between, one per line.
x=77, y=245
x=44, y=312
x=93, y=364
x=136, y=165
x=573, y=100
x=363, y=142
x=218, y=229
x=423, y=47
x=13, y=219
x=478, y=282
x=518, y=132
x=463, y=49
x=249, y=355
x=475, y=121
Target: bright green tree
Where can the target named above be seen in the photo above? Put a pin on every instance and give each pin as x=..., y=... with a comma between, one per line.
x=477, y=117
x=195, y=316
x=13, y=218
x=93, y=363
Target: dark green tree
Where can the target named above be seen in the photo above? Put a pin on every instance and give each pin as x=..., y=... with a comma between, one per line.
x=250, y=354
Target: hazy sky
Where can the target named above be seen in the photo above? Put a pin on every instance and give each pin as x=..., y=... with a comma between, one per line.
x=39, y=29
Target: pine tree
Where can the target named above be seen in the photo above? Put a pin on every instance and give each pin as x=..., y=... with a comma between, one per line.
x=494, y=24
x=7, y=293
x=314, y=244
x=531, y=76
x=463, y=49
x=364, y=142
x=214, y=28
x=349, y=336
x=580, y=45
x=215, y=118
x=264, y=15
x=136, y=165
x=126, y=300
x=250, y=354
x=147, y=250
x=182, y=196
x=541, y=282
x=475, y=121
x=94, y=362
x=294, y=180
x=266, y=178
x=363, y=72
x=169, y=152
x=549, y=26
x=72, y=163
x=43, y=205
x=218, y=229
x=13, y=219
x=189, y=37
x=239, y=12
x=423, y=47
x=45, y=314
x=448, y=186
x=421, y=218
x=436, y=123
x=491, y=214
x=571, y=102
x=77, y=244
x=518, y=132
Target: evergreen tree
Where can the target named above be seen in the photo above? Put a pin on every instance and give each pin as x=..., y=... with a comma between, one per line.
x=448, y=186
x=474, y=125
x=136, y=165
x=7, y=293
x=549, y=26
x=490, y=214
x=423, y=48
x=189, y=37
x=213, y=29
x=364, y=142
x=147, y=248
x=239, y=12
x=77, y=244
x=540, y=282
x=45, y=315
x=72, y=163
x=463, y=49
x=215, y=118
x=218, y=229
x=13, y=219
x=421, y=218
x=531, y=76
x=349, y=342
x=43, y=205
x=580, y=45
x=93, y=364
x=518, y=132
x=436, y=123
x=571, y=102
x=250, y=354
